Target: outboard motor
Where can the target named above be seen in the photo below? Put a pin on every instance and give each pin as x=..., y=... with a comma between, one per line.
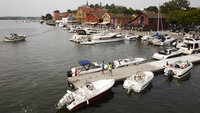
x=170, y=74
x=69, y=73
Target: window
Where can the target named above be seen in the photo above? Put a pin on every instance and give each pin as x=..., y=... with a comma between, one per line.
x=196, y=46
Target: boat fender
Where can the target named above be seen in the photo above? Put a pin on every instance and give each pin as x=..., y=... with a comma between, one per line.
x=119, y=62
x=87, y=102
x=75, y=72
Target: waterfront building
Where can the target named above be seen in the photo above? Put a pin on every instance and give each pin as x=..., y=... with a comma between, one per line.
x=116, y=20
x=59, y=16
x=149, y=21
x=95, y=18
x=83, y=13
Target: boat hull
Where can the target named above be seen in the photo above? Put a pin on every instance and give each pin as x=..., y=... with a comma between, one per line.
x=101, y=41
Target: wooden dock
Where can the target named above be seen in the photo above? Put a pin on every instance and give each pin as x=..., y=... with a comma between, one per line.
x=124, y=72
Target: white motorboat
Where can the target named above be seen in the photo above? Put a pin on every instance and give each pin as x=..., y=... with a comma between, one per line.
x=128, y=61
x=15, y=37
x=85, y=68
x=103, y=38
x=190, y=46
x=178, y=69
x=166, y=54
x=161, y=40
x=149, y=38
x=85, y=95
x=138, y=81
x=131, y=36
x=79, y=36
x=73, y=29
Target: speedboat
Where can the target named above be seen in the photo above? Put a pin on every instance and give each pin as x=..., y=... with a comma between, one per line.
x=178, y=69
x=73, y=29
x=167, y=53
x=131, y=36
x=86, y=94
x=85, y=68
x=149, y=38
x=139, y=81
x=14, y=38
x=161, y=40
x=128, y=61
x=103, y=38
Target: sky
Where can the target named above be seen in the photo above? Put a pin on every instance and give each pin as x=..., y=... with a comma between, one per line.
x=42, y=7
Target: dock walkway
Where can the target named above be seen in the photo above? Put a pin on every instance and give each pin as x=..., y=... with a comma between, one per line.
x=124, y=72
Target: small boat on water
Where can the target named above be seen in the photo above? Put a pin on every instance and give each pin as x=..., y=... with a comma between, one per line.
x=178, y=69
x=15, y=37
x=131, y=36
x=85, y=68
x=166, y=54
x=128, y=61
x=86, y=94
x=103, y=38
x=138, y=81
x=161, y=40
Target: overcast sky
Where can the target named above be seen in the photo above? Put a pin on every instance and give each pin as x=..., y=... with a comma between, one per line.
x=41, y=7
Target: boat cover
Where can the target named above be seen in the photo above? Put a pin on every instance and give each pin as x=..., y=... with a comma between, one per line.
x=84, y=62
x=155, y=35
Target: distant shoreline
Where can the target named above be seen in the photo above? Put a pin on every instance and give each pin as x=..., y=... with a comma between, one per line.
x=19, y=18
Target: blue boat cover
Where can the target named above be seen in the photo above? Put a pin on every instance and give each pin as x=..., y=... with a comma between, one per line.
x=84, y=62
x=155, y=35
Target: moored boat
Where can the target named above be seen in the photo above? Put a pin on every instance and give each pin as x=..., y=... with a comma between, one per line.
x=85, y=68
x=131, y=36
x=102, y=38
x=128, y=61
x=161, y=40
x=166, y=54
x=15, y=37
x=138, y=81
x=178, y=69
x=85, y=95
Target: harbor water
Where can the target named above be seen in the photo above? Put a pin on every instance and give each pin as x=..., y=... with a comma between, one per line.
x=33, y=74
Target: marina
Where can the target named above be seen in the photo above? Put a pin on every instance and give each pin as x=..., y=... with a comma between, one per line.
x=118, y=74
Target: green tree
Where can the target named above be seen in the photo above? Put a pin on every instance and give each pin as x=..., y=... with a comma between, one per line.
x=175, y=5
x=96, y=5
x=56, y=11
x=48, y=16
x=91, y=6
x=69, y=11
x=112, y=6
x=137, y=11
x=152, y=9
x=107, y=6
x=43, y=17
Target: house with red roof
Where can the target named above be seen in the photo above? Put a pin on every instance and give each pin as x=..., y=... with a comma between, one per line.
x=59, y=16
x=95, y=18
x=149, y=21
x=83, y=13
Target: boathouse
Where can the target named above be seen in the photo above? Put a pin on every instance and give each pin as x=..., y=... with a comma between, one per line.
x=116, y=20
x=95, y=18
x=59, y=16
x=149, y=21
x=84, y=12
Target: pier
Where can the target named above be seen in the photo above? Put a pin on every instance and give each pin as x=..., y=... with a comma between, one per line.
x=121, y=73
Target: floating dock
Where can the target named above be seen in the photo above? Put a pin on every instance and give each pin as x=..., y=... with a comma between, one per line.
x=121, y=73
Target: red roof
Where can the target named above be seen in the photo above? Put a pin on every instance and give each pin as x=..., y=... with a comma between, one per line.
x=89, y=10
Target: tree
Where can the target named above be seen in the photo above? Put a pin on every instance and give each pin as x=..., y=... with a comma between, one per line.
x=112, y=6
x=137, y=11
x=56, y=11
x=69, y=11
x=48, y=16
x=91, y=6
x=152, y=9
x=42, y=17
x=174, y=5
x=107, y=6
x=96, y=5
